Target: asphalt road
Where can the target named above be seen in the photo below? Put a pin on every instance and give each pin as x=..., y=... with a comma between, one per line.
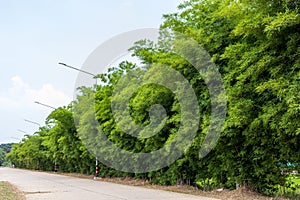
x=41, y=185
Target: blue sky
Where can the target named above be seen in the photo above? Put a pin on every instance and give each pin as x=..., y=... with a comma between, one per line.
x=36, y=35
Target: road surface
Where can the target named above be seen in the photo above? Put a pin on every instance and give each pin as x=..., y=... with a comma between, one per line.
x=41, y=185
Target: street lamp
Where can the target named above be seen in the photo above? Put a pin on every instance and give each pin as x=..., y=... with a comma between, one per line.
x=44, y=105
x=89, y=73
x=32, y=122
x=80, y=70
x=21, y=131
x=94, y=76
x=15, y=138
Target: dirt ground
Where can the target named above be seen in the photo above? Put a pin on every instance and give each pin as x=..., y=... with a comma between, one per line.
x=10, y=192
x=242, y=193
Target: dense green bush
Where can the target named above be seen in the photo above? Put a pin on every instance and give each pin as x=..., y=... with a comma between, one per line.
x=256, y=47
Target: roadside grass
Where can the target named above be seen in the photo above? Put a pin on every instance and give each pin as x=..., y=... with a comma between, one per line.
x=243, y=193
x=9, y=192
x=292, y=188
x=295, y=186
x=296, y=182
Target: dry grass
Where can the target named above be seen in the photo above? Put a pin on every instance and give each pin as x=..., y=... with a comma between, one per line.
x=10, y=192
x=242, y=193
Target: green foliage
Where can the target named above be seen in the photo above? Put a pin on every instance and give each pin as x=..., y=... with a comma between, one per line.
x=2, y=157
x=58, y=143
x=291, y=189
x=256, y=47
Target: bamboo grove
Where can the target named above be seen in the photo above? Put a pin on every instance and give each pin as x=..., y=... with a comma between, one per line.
x=256, y=48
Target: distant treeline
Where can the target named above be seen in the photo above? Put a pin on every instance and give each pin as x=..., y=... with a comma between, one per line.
x=6, y=147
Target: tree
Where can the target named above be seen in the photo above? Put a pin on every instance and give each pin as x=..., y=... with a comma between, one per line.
x=255, y=46
x=6, y=147
x=64, y=145
x=2, y=157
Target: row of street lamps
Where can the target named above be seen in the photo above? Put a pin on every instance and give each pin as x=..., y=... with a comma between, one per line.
x=42, y=104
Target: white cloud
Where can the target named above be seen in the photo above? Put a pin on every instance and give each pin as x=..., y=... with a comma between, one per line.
x=18, y=86
x=48, y=95
x=21, y=94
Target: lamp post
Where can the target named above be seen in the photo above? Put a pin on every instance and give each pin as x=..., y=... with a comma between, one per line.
x=32, y=122
x=15, y=138
x=94, y=76
x=42, y=104
x=89, y=73
x=80, y=70
x=97, y=169
x=21, y=131
x=36, y=123
x=45, y=105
